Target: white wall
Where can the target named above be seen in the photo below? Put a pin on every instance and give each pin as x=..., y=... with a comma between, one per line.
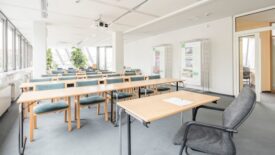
x=139, y=54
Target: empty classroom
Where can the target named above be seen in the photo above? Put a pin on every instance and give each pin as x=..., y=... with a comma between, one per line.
x=137, y=77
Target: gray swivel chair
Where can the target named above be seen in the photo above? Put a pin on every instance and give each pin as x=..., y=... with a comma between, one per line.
x=215, y=139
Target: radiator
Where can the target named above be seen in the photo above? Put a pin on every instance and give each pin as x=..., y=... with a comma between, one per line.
x=5, y=99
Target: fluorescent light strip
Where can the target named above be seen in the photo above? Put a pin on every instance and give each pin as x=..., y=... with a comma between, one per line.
x=192, y=6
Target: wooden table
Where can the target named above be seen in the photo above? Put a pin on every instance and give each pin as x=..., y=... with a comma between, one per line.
x=150, y=109
x=54, y=78
x=30, y=85
x=34, y=96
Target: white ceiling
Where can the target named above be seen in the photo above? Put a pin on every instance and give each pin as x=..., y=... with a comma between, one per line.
x=70, y=23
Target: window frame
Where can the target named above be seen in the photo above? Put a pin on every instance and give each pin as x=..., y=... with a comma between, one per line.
x=2, y=18
x=5, y=59
x=18, y=63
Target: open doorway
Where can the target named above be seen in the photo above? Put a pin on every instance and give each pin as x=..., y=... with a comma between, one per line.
x=247, y=61
x=255, y=52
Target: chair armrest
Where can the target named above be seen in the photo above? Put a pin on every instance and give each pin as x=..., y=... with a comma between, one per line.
x=217, y=127
x=195, y=110
x=211, y=108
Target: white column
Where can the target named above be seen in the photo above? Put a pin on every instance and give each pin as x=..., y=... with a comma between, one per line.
x=118, y=52
x=39, y=48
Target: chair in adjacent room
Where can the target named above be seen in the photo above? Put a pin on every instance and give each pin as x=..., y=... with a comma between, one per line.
x=143, y=91
x=90, y=99
x=247, y=75
x=159, y=88
x=217, y=139
x=45, y=107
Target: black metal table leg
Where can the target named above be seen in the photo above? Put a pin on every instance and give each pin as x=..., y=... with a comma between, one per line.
x=112, y=106
x=177, y=86
x=21, y=139
x=139, y=92
x=129, y=133
x=194, y=114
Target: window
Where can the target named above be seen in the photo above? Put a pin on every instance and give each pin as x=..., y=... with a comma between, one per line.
x=91, y=55
x=62, y=57
x=109, y=58
x=17, y=49
x=248, y=45
x=105, y=58
x=102, y=59
x=10, y=48
x=1, y=45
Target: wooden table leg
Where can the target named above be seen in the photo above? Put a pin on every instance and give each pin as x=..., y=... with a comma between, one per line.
x=78, y=112
x=69, y=115
x=31, y=122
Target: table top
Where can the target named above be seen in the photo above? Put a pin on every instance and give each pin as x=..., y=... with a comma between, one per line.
x=33, y=84
x=153, y=108
x=80, y=75
x=33, y=96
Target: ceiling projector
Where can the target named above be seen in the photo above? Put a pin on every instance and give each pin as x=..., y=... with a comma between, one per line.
x=101, y=23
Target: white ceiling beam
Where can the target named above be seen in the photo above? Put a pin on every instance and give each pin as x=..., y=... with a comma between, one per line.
x=123, y=8
x=189, y=7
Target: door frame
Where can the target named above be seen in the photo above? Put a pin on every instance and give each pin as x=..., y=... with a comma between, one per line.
x=236, y=62
x=257, y=63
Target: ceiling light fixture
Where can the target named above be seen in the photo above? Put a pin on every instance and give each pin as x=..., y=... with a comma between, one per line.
x=77, y=1
x=44, y=8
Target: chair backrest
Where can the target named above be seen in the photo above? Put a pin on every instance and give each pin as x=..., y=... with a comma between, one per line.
x=71, y=71
x=91, y=73
x=67, y=78
x=69, y=74
x=94, y=76
x=113, y=75
x=86, y=83
x=237, y=112
x=50, y=86
x=129, y=73
x=57, y=72
x=118, y=80
x=137, y=78
x=40, y=80
x=152, y=77
x=48, y=75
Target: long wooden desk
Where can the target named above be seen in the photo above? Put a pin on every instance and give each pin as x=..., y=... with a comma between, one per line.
x=150, y=109
x=57, y=77
x=34, y=96
x=28, y=85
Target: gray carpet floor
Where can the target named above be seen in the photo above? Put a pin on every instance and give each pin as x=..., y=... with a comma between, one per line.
x=97, y=137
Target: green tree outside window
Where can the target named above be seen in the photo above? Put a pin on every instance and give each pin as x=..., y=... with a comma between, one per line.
x=78, y=58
